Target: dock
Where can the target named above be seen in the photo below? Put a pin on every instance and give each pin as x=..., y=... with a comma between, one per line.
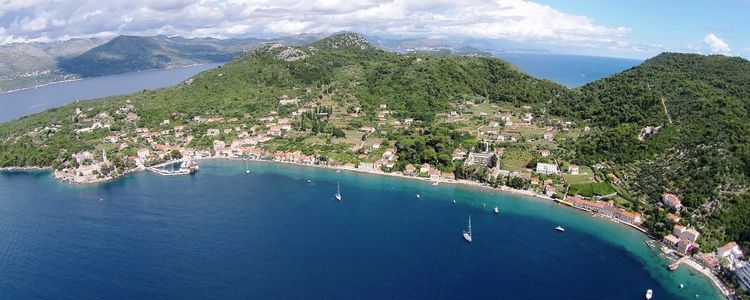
x=187, y=167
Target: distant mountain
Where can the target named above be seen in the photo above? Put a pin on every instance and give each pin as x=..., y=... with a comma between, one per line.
x=428, y=46
x=135, y=53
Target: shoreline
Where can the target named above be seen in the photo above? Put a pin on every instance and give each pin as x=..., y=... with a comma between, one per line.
x=82, y=78
x=461, y=182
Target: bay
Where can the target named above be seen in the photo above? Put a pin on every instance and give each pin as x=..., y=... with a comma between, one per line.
x=223, y=234
x=28, y=101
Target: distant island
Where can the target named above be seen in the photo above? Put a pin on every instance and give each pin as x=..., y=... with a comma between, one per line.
x=663, y=146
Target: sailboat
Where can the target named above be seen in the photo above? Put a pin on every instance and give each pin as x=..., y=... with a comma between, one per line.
x=338, y=191
x=247, y=167
x=467, y=234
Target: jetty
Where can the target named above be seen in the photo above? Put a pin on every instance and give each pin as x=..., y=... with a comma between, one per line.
x=187, y=167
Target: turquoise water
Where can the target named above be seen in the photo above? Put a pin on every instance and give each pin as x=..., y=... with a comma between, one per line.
x=224, y=234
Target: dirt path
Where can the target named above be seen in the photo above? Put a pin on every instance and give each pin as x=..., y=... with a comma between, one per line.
x=664, y=105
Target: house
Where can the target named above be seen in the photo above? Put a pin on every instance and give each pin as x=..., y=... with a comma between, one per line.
x=742, y=276
x=687, y=233
x=549, y=135
x=527, y=118
x=573, y=169
x=544, y=152
x=449, y=175
x=731, y=251
x=479, y=159
x=458, y=154
x=424, y=168
x=409, y=170
x=367, y=129
x=534, y=180
x=83, y=156
x=627, y=216
x=685, y=246
x=670, y=240
x=549, y=190
x=143, y=153
x=671, y=201
x=708, y=260
x=435, y=173
x=546, y=168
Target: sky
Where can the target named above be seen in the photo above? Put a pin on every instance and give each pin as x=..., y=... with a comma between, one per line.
x=632, y=28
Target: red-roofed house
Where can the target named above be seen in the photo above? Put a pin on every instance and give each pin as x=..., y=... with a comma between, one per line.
x=671, y=201
x=409, y=170
x=730, y=250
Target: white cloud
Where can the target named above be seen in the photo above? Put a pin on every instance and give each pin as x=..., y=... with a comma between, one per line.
x=515, y=20
x=716, y=45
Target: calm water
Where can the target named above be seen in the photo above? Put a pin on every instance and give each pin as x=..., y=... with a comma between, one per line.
x=24, y=102
x=223, y=234
x=568, y=70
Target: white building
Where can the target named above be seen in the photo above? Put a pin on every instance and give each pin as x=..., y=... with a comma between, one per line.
x=546, y=168
x=742, y=275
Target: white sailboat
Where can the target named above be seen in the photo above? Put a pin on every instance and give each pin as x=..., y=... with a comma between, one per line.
x=496, y=210
x=338, y=191
x=649, y=294
x=467, y=233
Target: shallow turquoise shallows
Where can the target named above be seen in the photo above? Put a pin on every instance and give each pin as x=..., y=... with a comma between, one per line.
x=223, y=234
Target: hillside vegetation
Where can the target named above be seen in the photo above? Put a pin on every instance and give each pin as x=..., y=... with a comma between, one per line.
x=677, y=123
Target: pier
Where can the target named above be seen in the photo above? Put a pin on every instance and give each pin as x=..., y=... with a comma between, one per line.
x=187, y=167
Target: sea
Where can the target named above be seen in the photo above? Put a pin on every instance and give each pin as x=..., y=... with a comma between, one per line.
x=224, y=234
x=33, y=100
x=569, y=70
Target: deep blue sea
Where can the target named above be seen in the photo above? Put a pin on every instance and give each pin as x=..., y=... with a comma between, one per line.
x=222, y=234
x=568, y=70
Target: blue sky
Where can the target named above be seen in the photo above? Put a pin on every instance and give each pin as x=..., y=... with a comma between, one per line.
x=632, y=28
x=676, y=25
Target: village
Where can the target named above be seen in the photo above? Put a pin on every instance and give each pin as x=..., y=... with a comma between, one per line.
x=511, y=138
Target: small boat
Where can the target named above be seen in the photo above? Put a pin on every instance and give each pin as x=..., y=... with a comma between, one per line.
x=435, y=183
x=417, y=196
x=649, y=294
x=682, y=285
x=674, y=266
x=247, y=167
x=338, y=191
x=308, y=181
x=467, y=233
x=497, y=211
x=454, y=200
x=560, y=229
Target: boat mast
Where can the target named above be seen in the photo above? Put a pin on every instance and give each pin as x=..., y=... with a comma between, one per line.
x=469, y=225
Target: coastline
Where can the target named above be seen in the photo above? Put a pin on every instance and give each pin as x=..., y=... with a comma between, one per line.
x=82, y=78
x=720, y=287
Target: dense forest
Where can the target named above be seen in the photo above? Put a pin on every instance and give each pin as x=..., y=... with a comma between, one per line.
x=697, y=108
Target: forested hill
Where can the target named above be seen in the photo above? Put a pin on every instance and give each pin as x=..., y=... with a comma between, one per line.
x=356, y=73
x=135, y=53
x=699, y=108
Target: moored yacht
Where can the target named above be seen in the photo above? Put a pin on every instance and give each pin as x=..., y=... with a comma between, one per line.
x=467, y=233
x=649, y=294
x=496, y=210
x=560, y=229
